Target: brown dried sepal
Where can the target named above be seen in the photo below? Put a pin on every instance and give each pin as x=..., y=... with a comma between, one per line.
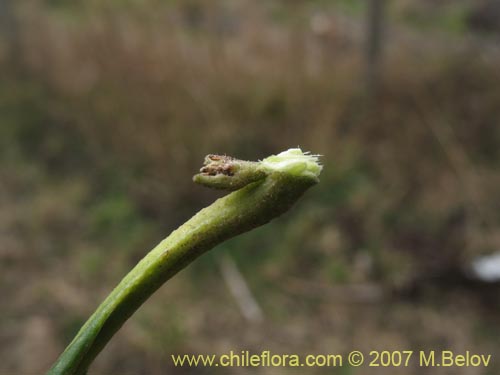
x=218, y=164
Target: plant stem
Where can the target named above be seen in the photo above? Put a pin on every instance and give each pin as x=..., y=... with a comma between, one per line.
x=268, y=189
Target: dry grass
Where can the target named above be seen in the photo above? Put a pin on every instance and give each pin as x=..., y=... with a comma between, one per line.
x=128, y=103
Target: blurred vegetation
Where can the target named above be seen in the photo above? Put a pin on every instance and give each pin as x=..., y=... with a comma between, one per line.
x=107, y=110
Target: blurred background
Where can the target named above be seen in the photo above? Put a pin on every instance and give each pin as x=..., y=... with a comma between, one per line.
x=108, y=108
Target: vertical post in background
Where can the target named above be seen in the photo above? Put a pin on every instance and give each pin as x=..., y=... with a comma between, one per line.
x=374, y=44
x=297, y=65
x=9, y=42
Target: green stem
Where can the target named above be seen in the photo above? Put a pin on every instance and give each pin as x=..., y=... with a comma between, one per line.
x=270, y=190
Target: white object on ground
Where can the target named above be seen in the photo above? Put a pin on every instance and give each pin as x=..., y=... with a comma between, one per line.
x=487, y=267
